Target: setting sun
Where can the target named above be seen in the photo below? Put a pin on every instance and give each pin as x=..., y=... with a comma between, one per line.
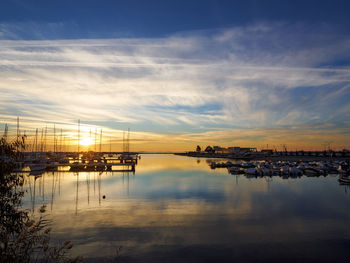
x=86, y=141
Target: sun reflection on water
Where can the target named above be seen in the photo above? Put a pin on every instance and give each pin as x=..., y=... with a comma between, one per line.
x=175, y=202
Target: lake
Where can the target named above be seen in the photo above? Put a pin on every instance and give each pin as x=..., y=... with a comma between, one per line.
x=176, y=209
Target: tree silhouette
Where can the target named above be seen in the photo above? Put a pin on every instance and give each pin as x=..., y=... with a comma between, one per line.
x=209, y=149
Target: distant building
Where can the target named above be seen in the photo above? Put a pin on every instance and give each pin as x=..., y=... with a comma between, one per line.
x=218, y=149
x=240, y=150
x=234, y=149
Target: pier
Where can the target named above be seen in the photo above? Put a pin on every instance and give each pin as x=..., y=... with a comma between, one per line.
x=86, y=161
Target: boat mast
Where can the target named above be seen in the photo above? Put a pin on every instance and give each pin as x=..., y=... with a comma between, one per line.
x=36, y=140
x=128, y=141
x=90, y=141
x=54, y=138
x=95, y=139
x=17, y=140
x=42, y=140
x=123, y=141
x=78, y=137
x=101, y=140
x=110, y=144
x=61, y=141
x=45, y=149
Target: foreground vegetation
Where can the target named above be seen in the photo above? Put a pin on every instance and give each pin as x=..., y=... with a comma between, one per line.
x=23, y=239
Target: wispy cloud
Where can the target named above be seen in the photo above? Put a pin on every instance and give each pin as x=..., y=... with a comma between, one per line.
x=259, y=77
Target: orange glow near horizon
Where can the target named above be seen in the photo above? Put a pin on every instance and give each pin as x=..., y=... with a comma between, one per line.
x=296, y=138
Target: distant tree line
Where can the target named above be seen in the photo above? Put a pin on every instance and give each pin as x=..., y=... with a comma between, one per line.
x=208, y=149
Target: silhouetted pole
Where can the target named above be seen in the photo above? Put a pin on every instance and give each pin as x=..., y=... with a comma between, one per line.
x=95, y=139
x=101, y=141
x=78, y=137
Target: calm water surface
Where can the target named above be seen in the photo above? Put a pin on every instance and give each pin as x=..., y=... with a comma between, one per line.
x=176, y=209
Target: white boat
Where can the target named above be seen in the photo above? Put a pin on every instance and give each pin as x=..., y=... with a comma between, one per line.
x=266, y=171
x=295, y=171
x=251, y=171
x=235, y=170
x=76, y=166
x=284, y=170
x=37, y=167
x=344, y=179
x=311, y=172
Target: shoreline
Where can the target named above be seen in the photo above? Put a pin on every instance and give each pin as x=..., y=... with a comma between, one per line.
x=267, y=158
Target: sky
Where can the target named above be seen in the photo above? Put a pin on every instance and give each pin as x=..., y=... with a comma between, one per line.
x=178, y=73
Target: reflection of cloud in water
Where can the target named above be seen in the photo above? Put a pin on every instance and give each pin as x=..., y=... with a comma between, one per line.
x=191, y=212
x=150, y=163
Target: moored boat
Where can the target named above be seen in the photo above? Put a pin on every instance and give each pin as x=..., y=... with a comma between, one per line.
x=37, y=167
x=344, y=179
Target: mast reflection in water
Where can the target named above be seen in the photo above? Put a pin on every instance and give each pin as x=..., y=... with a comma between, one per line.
x=177, y=209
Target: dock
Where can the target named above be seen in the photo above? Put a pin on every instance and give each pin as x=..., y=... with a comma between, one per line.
x=88, y=161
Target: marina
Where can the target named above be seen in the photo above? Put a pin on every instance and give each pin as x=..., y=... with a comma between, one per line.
x=38, y=155
x=286, y=169
x=147, y=204
x=214, y=213
x=85, y=162
x=174, y=131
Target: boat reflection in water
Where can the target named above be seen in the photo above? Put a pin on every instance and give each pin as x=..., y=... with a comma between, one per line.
x=177, y=209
